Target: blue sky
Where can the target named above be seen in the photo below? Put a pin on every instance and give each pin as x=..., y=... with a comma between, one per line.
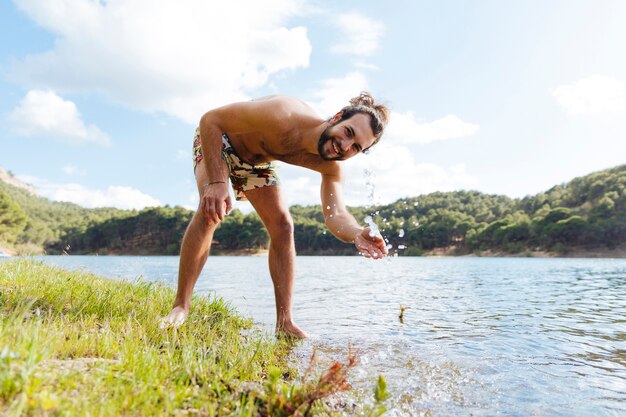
x=99, y=99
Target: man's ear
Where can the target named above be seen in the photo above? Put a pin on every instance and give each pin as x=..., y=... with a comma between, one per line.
x=336, y=117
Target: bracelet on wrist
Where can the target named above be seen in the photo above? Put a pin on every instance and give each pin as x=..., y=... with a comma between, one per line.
x=214, y=182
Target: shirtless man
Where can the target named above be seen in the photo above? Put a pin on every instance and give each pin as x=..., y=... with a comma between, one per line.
x=240, y=141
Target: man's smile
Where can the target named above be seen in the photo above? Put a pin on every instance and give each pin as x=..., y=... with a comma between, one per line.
x=335, y=147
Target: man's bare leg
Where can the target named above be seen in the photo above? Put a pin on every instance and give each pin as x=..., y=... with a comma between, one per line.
x=193, y=255
x=275, y=215
x=194, y=252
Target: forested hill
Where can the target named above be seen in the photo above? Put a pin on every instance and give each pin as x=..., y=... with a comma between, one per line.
x=31, y=223
x=586, y=213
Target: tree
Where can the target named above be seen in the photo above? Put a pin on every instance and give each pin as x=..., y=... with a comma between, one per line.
x=12, y=219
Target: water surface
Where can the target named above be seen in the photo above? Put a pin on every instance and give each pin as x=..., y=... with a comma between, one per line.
x=481, y=336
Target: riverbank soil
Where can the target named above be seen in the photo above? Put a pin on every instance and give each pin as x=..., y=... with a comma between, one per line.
x=576, y=252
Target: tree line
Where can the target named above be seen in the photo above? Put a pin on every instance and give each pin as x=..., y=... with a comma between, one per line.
x=587, y=212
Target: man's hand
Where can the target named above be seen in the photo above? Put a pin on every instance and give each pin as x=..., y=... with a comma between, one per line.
x=216, y=201
x=370, y=245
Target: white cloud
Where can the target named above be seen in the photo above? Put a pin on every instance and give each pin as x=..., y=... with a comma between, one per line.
x=360, y=34
x=158, y=55
x=44, y=113
x=595, y=94
x=192, y=201
x=391, y=172
x=121, y=197
x=334, y=93
x=388, y=173
x=302, y=189
x=114, y=196
x=404, y=128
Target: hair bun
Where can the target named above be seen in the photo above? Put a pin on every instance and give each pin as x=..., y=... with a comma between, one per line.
x=363, y=99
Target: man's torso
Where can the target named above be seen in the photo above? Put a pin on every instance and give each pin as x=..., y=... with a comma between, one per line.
x=275, y=128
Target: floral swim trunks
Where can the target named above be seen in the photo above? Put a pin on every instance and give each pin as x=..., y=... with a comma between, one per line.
x=243, y=176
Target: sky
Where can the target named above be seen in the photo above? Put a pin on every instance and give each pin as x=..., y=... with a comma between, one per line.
x=99, y=100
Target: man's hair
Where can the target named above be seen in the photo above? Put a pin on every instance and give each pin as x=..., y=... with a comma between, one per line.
x=365, y=103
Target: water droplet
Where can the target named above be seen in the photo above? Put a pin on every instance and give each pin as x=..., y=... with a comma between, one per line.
x=327, y=207
x=374, y=231
x=389, y=246
x=401, y=233
x=401, y=247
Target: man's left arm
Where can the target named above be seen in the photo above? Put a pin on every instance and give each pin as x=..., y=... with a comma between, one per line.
x=343, y=225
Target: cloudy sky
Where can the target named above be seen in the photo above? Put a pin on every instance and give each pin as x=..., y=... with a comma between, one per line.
x=99, y=99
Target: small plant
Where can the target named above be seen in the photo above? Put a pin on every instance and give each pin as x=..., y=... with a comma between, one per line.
x=401, y=316
x=285, y=400
x=380, y=396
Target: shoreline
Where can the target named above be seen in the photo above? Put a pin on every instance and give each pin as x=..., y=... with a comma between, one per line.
x=594, y=253
x=590, y=253
x=608, y=254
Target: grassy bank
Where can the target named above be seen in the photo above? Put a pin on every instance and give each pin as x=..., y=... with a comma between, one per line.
x=79, y=345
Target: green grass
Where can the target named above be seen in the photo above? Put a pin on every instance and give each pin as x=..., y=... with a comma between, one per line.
x=74, y=344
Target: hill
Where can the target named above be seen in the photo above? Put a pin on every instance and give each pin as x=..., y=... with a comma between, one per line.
x=583, y=215
x=30, y=223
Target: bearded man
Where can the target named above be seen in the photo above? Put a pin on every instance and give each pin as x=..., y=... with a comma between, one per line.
x=240, y=142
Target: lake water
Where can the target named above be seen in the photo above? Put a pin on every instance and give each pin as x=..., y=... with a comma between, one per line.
x=481, y=336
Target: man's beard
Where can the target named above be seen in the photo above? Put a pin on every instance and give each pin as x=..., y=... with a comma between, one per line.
x=324, y=139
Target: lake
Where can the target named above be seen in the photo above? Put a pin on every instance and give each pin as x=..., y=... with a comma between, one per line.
x=480, y=337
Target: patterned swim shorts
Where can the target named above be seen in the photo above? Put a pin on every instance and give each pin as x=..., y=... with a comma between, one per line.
x=243, y=176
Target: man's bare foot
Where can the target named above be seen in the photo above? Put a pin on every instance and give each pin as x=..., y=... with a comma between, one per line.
x=176, y=317
x=291, y=330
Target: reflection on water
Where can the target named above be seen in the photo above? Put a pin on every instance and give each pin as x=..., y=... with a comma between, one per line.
x=481, y=336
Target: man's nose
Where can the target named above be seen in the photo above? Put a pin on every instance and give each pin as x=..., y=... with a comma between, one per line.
x=345, y=144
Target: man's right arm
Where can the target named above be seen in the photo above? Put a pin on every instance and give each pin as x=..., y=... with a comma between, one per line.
x=215, y=202
x=255, y=116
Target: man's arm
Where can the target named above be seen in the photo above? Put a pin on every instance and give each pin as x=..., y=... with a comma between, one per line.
x=232, y=118
x=215, y=197
x=342, y=224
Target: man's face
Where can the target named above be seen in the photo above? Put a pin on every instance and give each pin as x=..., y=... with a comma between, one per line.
x=346, y=138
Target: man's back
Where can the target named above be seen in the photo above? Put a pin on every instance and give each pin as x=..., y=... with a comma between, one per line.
x=272, y=128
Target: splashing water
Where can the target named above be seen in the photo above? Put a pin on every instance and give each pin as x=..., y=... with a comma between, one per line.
x=401, y=233
x=374, y=230
x=369, y=184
